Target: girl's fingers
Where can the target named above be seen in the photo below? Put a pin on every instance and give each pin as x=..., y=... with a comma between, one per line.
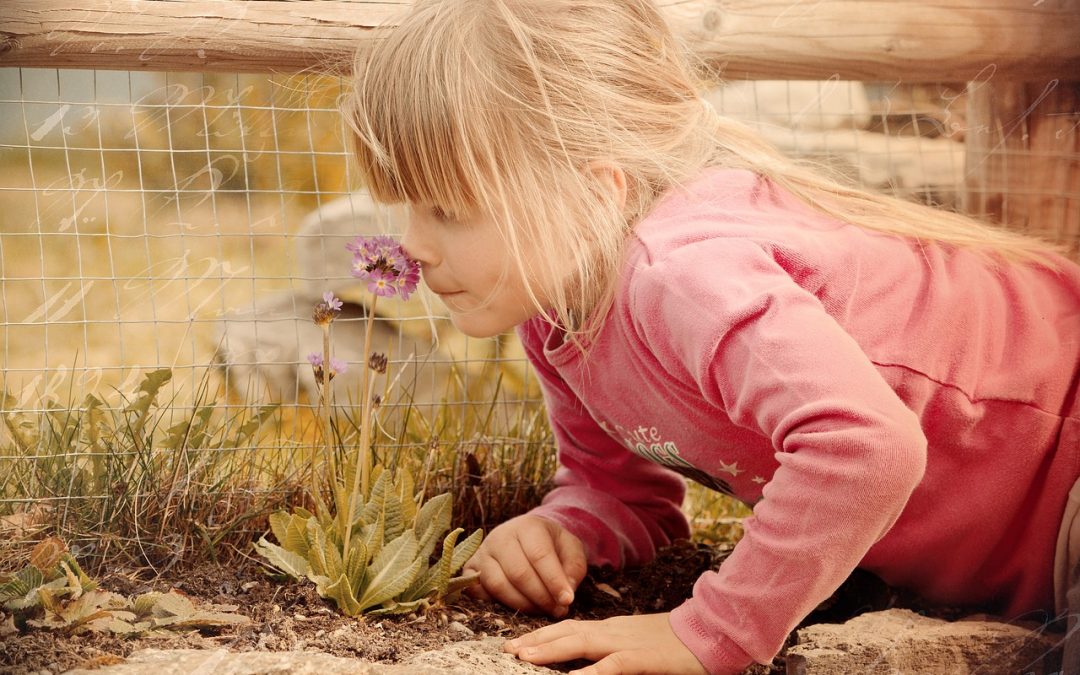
x=499, y=587
x=549, y=568
x=544, y=635
x=519, y=569
x=565, y=648
x=572, y=554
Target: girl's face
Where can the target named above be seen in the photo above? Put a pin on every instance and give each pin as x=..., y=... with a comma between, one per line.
x=465, y=261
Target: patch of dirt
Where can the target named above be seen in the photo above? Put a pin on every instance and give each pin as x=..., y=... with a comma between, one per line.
x=291, y=616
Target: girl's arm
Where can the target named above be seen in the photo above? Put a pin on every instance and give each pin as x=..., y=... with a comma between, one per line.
x=621, y=506
x=723, y=313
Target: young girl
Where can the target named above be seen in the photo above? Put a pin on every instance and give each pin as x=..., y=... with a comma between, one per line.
x=890, y=386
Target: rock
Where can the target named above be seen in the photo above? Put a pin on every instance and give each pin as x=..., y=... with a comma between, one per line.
x=461, y=658
x=901, y=641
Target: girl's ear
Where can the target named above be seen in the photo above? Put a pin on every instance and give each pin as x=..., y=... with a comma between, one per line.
x=610, y=180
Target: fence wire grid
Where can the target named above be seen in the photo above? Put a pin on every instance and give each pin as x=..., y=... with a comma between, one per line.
x=191, y=221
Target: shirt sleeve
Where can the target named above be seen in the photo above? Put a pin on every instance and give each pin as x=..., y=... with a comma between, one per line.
x=622, y=506
x=726, y=315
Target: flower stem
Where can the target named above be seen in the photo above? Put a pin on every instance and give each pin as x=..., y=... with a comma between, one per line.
x=362, y=472
x=324, y=397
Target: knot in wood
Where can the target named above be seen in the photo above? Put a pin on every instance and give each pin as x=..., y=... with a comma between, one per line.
x=711, y=20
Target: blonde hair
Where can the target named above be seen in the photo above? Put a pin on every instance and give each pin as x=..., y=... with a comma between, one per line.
x=497, y=106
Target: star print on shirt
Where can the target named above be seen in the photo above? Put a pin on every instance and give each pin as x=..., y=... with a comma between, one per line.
x=732, y=468
x=759, y=480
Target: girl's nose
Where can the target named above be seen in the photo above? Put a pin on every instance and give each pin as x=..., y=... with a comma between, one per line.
x=417, y=245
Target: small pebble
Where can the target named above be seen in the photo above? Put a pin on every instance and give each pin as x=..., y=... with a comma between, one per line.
x=459, y=627
x=458, y=616
x=320, y=633
x=247, y=586
x=299, y=617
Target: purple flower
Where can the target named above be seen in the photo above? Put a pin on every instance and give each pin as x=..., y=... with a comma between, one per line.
x=383, y=263
x=381, y=283
x=337, y=366
x=332, y=303
x=327, y=310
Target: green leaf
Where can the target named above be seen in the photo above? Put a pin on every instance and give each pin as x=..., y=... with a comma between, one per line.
x=392, y=571
x=144, y=604
x=25, y=580
x=431, y=522
x=279, y=525
x=458, y=584
x=282, y=559
x=148, y=391
x=400, y=607
x=406, y=492
x=324, y=556
x=252, y=425
x=295, y=537
x=356, y=565
x=374, y=537
x=378, y=495
x=465, y=550
x=341, y=592
x=435, y=578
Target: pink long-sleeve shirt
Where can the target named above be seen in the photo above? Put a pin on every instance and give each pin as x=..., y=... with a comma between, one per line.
x=906, y=410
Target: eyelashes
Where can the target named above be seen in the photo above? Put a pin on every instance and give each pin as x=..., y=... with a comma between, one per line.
x=442, y=216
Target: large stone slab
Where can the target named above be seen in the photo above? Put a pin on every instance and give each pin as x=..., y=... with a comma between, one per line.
x=461, y=658
x=901, y=641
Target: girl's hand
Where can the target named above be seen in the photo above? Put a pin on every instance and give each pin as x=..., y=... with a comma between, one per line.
x=620, y=646
x=530, y=564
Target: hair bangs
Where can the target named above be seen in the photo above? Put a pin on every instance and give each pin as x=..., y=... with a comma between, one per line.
x=420, y=132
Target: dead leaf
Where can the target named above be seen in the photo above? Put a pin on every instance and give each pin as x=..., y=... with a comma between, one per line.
x=609, y=590
x=47, y=553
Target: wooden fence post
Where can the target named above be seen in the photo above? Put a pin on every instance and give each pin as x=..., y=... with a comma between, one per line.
x=1023, y=157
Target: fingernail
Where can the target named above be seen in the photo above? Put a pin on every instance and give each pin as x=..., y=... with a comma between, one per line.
x=513, y=644
x=560, y=612
x=528, y=653
x=566, y=597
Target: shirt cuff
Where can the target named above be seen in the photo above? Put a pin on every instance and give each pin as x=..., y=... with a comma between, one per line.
x=717, y=653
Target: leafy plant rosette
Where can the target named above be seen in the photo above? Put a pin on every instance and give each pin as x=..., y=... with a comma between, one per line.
x=371, y=551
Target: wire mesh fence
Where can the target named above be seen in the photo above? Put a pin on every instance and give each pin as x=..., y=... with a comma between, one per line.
x=191, y=221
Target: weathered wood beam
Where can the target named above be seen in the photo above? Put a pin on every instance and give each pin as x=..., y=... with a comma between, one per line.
x=1023, y=157
x=882, y=40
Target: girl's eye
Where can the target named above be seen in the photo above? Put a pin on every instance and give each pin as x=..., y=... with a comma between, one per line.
x=441, y=215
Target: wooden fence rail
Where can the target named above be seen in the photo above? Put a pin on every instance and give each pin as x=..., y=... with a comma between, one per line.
x=882, y=40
